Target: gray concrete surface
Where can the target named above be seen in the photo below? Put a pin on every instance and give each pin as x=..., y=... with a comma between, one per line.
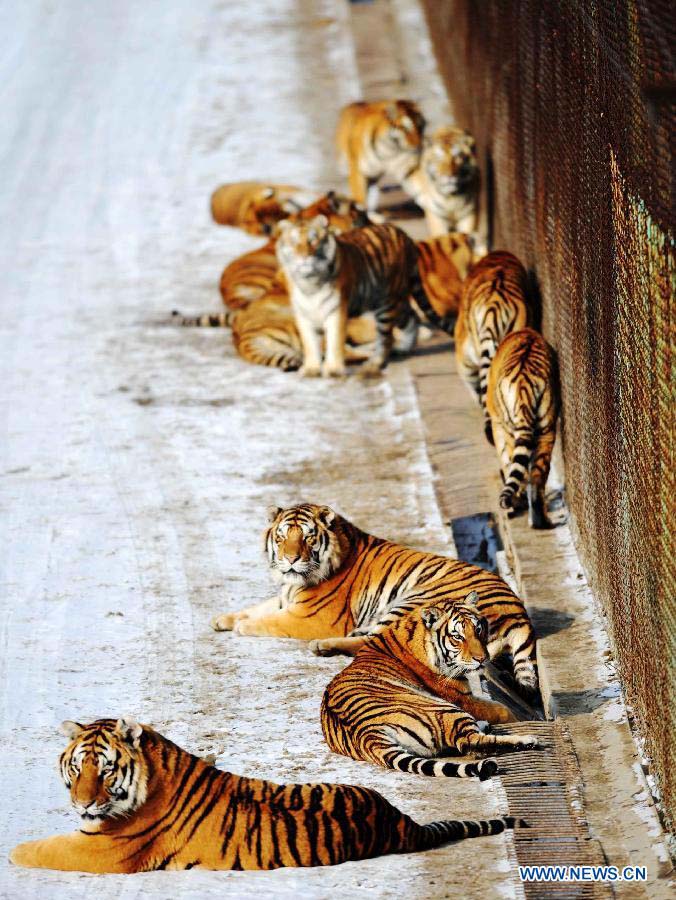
x=138, y=460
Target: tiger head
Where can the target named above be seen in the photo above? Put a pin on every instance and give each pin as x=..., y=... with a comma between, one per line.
x=449, y=160
x=454, y=639
x=308, y=249
x=342, y=213
x=306, y=544
x=402, y=128
x=264, y=209
x=104, y=768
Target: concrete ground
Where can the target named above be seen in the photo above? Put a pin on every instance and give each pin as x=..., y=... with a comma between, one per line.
x=138, y=459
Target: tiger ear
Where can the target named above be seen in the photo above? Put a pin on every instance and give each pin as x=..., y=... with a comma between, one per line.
x=71, y=729
x=472, y=598
x=129, y=730
x=283, y=226
x=267, y=193
x=431, y=616
x=273, y=512
x=326, y=515
x=321, y=221
x=332, y=200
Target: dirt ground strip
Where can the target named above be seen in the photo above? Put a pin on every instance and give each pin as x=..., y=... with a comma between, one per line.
x=138, y=459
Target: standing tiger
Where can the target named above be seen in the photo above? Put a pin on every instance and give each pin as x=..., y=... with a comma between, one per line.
x=404, y=698
x=340, y=585
x=333, y=277
x=523, y=406
x=380, y=138
x=146, y=804
x=446, y=183
x=256, y=206
x=493, y=303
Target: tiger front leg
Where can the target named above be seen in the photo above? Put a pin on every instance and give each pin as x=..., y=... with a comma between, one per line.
x=282, y=623
x=227, y=621
x=519, y=642
x=436, y=225
x=335, y=329
x=68, y=853
x=373, y=367
x=338, y=646
x=312, y=346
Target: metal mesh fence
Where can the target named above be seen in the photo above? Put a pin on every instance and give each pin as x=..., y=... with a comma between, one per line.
x=573, y=104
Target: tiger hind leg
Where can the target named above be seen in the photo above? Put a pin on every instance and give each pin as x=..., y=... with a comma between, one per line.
x=539, y=472
x=346, y=646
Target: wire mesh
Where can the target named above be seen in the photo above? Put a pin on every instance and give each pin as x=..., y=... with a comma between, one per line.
x=573, y=105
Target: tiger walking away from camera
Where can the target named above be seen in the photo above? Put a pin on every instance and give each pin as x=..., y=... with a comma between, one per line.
x=340, y=585
x=333, y=277
x=146, y=804
x=493, y=303
x=446, y=184
x=377, y=139
x=523, y=405
x=256, y=206
x=404, y=699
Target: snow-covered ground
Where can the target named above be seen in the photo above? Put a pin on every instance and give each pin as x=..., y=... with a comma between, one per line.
x=138, y=459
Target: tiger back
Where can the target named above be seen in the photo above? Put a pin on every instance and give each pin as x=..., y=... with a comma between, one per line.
x=333, y=277
x=443, y=264
x=338, y=586
x=379, y=138
x=256, y=206
x=146, y=804
x=404, y=699
x=523, y=404
x=493, y=302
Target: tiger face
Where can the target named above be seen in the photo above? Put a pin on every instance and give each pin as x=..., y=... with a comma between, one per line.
x=308, y=249
x=449, y=161
x=303, y=545
x=265, y=209
x=342, y=213
x=403, y=128
x=455, y=640
x=104, y=769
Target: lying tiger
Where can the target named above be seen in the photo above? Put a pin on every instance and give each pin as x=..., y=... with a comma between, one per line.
x=340, y=586
x=264, y=329
x=493, y=302
x=522, y=402
x=404, y=700
x=256, y=206
x=146, y=804
x=446, y=183
x=376, y=139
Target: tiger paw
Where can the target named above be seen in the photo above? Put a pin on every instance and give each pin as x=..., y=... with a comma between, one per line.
x=527, y=742
x=333, y=371
x=370, y=370
x=224, y=622
x=309, y=371
x=322, y=648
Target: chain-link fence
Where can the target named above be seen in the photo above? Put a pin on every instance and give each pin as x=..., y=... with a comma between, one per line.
x=573, y=104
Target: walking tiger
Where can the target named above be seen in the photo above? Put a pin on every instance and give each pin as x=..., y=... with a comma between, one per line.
x=380, y=138
x=493, y=303
x=340, y=585
x=523, y=405
x=146, y=804
x=404, y=700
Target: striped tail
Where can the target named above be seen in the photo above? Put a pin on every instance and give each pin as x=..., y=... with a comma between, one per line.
x=424, y=309
x=206, y=320
x=438, y=768
x=518, y=467
x=437, y=833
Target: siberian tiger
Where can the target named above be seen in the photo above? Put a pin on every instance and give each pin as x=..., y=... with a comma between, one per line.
x=447, y=181
x=333, y=277
x=493, y=303
x=443, y=264
x=376, y=139
x=340, y=585
x=256, y=206
x=523, y=406
x=404, y=699
x=147, y=804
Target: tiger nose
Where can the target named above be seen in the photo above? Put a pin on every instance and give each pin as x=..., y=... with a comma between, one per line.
x=292, y=560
